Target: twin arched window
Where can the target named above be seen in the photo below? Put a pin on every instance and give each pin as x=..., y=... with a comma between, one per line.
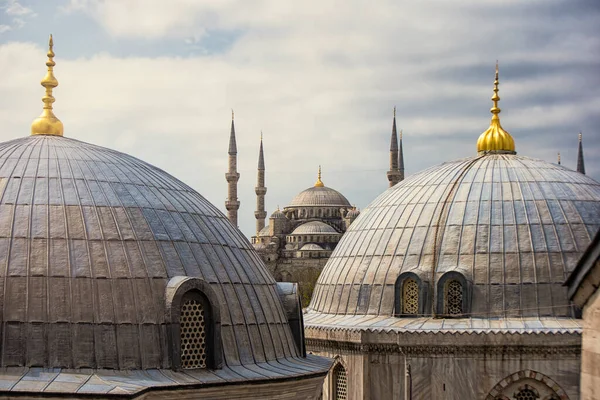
x=411, y=295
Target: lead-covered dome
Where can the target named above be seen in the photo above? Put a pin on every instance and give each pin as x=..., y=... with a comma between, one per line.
x=93, y=245
x=512, y=227
x=319, y=196
x=314, y=227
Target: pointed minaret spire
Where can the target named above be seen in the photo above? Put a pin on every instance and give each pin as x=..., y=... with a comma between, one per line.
x=559, y=158
x=580, y=163
x=394, y=175
x=232, y=203
x=260, y=190
x=47, y=123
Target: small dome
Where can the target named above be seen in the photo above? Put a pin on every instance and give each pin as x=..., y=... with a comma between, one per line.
x=315, y=227
x=264, y=231
x=311, y=246
x=320, y=196
x=278, y=214
x=513, y=226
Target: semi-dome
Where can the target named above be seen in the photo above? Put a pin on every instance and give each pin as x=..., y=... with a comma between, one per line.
x=513, y=226
x=315, y=227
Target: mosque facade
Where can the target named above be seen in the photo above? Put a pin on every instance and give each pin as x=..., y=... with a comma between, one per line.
x=120, y=281
x=450, y=284
x=298, y=240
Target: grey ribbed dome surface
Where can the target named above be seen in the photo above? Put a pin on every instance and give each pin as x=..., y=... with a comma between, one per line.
x=314, y=227
x=514, y=226
x=319, y=197
x=311, y=246
x=89, y=238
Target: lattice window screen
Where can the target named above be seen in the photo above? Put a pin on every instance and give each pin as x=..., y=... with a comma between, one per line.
x=526, y=394
x=340, y=383
x=193, y=335
x=410, y=297
x=454, y=297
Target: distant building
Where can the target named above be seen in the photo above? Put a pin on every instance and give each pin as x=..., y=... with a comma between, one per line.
x=583, y=284
x=120, y=281
x=449, y=285
x=299, y=239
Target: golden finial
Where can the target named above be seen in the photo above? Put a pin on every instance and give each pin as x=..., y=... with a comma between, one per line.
x=261, y=136
x=232, y=114
x=580, y=136
x=495, y=138
x=400, y=134
x=559, y=158
x=394, y=111
x=319, y=182
x=47, y=123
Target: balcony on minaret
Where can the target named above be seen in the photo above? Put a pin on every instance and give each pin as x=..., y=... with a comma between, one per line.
x=260, y=190
x=232, y=176
x=232, y=204
x=260, y=214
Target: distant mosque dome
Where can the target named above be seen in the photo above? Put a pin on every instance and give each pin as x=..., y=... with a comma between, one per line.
x=314, y=227
x=311, y=246
x=319, y=196
x=278, y=214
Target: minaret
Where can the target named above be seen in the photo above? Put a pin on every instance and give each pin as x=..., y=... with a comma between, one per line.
x=260, y=214
x=393, y=174
x=232, y=203
x=47, y=123
x=580, y=163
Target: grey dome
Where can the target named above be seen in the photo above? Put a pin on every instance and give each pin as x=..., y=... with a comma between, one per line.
x=513, y=226
x=319, y=197
x=314, y=227
x=278, y=214
x=89, y=239
x=311, y=246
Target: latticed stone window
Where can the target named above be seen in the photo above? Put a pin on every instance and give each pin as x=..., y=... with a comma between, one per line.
x=410, y=297
x=526, y=394
x=454, y=298
x=340, y=383
x=193, y=335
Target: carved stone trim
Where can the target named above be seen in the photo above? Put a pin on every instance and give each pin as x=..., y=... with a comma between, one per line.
x=527, y=374
x=427, y=350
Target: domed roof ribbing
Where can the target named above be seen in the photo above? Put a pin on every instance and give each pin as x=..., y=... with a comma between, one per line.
x=512, y=225
x=311, y=246
x=278, y=214
x=89, y=238
x=319, y=196
x=314, y=227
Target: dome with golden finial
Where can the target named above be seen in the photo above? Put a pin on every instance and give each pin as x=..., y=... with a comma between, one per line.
x=319, y=196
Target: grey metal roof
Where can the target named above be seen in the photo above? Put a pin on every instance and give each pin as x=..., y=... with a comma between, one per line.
x=89, y=238
x=40, y=381
x=314, y=227
x=319, y=197
x=378, y=323
x=513, y=226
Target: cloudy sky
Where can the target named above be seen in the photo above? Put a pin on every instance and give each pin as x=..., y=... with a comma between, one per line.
x=157, y=79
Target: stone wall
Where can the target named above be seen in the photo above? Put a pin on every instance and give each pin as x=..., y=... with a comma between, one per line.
x=450, y=366
x=590, y=352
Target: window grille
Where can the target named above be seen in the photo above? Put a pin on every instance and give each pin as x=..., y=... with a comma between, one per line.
x=410, y=297
x=193, y=335
x=454, y=298
x=526, y=394
x=340, y=383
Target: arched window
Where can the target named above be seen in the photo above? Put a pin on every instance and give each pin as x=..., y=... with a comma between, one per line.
x=194, y=324
x=410, y=294
x=193, y=329
x=340, y=383
x=410, y=297
x=454, y=297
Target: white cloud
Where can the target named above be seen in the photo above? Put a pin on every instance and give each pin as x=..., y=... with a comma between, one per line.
x=4, y=28
x=17, y=9
x=320, y=79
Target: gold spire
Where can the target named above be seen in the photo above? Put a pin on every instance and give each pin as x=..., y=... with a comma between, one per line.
x=47, y=123
x=319, y=182
x=232, y=114
x=495, y=138
x=394, y=111
x=400, y=134
x=559, y=158
x=580, y=136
